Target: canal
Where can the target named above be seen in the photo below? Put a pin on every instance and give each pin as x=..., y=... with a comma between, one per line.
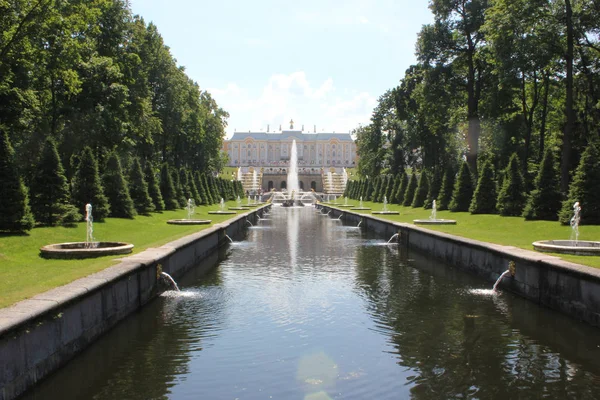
x=304, y=307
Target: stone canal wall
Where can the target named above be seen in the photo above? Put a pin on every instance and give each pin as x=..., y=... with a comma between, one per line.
x=40, y=334
x=571, y=288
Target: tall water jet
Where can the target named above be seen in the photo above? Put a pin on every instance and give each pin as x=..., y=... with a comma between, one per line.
x=239, y=174
x=170, y=279
x=500, y=279
x=433, y=219
x=190, y=208
x=575, y=222
x=292, y=176
x=385, y=209
x=89, y=226
x=433, y=215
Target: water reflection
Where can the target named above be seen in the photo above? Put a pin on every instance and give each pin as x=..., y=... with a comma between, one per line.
x=310, y=309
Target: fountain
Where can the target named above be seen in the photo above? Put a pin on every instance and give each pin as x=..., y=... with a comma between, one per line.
x=239, y=207
x=89, y=248
x=170, y=279
x=394, y=236
x=222, y=210
x=190, y=208
x=346, y=205
x=500, y=279
x=239, y=174
x=230, y=239
x=385, y=210
x=249, y=223
x=433, y=219
x=574, y=245
x=361, y=206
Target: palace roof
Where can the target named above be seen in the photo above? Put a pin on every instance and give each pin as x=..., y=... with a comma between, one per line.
x=298, y=135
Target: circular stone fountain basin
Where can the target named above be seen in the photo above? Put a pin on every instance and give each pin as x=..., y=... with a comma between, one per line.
x=386, y=212
x=243, y=208
x=434, y=221
x=578, y=248
x=360, y=208
x=189, y=221
x=222, y=212
x=80, y=249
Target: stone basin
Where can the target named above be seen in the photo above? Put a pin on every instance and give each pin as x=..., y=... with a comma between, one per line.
x=85, y=250
x=434, y=221
x=578, y=248
x=189, y=221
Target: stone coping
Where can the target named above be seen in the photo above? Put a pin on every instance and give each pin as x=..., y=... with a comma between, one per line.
x=26, y=311
x=508, y=251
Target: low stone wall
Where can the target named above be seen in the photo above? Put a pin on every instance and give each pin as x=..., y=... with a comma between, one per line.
x=547, y=280
x=40, y=334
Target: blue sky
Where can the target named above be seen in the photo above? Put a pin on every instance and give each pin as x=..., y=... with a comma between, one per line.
x=322, y=63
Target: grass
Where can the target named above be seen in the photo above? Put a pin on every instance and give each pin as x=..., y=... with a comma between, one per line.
x=23, y=273
x=509, y=231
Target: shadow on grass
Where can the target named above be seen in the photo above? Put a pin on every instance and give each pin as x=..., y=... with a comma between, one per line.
x=10, y=234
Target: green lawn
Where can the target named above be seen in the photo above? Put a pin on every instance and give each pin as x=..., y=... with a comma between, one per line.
x=510, y=231
x=23, y=273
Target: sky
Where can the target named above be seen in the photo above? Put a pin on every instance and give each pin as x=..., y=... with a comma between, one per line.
x=322, y=63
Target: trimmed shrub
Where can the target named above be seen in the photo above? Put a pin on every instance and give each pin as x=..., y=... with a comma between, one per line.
x=409, y=194
x=15, y=214
x=544, y=202
x=392, y=198
x=154, y=188
x=421, y=192
x=484, y=198
x=585, y=188
x=179, y=192
x=167, y=189
x=50, y=192
x=368, y=189
x=138, y=189
x=463, y=190
x=389, y=187
x=195, y=194
x=208, y=189
x=376, y=189
x=511, y=199
x=445, y=195
x=87, y=187
x=434, y=189
x=185, y=185
x=116, y=190
x=401, y=188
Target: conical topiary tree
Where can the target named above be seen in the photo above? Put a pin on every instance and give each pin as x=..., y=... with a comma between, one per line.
x=584, y=188
x=214, y=188
x=154, y=188
x=15, y=214
x=50, y=191
x=87, y=187
x=484, y=198
x=376, y=187
x=167, y=189
x=389, y=187
x=421, y=192
x=195, y=194
x=138, y=189
x=208, y=189
x=179, y=192
x=116, y=190
x=185, y=184
x=200, y=186
x=434, y=189
x=544, y=202
x=511, y=199
x=368, y=189
x=392, y=198
x=445, y=195
x=463, y=190
x=401, y=188
x=409, y=194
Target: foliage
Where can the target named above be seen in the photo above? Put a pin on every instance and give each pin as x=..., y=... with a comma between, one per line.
x=401, y=188
x=445, y=195
x=154, y=188
x=15, y=214
x=392, y=197
x=484, y=198
x=116, y=190
x=421, y=192
x=167, y=189
x=463, y=189
x=87, y=187
x=410, y=189
x=434, y=189
x=584, y=189
x=511, y=199
x=179, y=189
x=544, y=201
x=138, y=189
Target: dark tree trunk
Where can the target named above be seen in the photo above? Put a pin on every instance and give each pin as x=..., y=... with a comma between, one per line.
x=544, y=114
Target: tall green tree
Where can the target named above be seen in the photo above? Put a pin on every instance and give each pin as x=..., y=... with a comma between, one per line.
x=154, y=188
x=138, y=189
x=87, y=187
x=445, y=197
x=116, y=189
x=167, y=189
x=463, y=189
x=421, y=191
x=401, y=188
x=484, y=198
x=409, y=194
x=511, y=199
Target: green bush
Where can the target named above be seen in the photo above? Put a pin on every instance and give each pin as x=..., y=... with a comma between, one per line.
x=210, y=195
x=392, y=198
x=445, y=195
x=544, y=201
x=376, y=189
x=154, y=188
x=401, y=188
x=484, y=198
x=409, y=194
x=138, y=189
x=511, y=199
x=389, y=185
x=167, y=189
x=116, y=190
x=585, y=188
x=87, y=187
x=179, y=190
x=15, y=214
x=421, y=192
x=50, y=191
x=434, y=189
x=463, y=189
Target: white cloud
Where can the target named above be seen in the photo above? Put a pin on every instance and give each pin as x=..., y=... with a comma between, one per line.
x=293, y=96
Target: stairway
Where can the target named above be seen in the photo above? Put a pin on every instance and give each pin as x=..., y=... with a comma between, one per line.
x=333, y=183
x=249, y=183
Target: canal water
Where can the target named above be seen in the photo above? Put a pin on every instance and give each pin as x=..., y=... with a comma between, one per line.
x=303, y=307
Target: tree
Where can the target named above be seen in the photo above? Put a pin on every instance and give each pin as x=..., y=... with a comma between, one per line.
x=445, y=196
x=208, y=189
x=463, y=189
x=376, y=189
x=201, y=189
x=87, y=187
x=154, y=188
x=544, y=201
x=179, y=190
x=116, y=190
x=401, y=188
x=410, y=189
x=421, y=192
x=167, y=189
x=15, y=214
x=434, y=189
x=584, y=189
x=138, y=189
x=511, y=199
x=392, y=198
x=50, y=192
x=194, y=194
x=484, y=198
